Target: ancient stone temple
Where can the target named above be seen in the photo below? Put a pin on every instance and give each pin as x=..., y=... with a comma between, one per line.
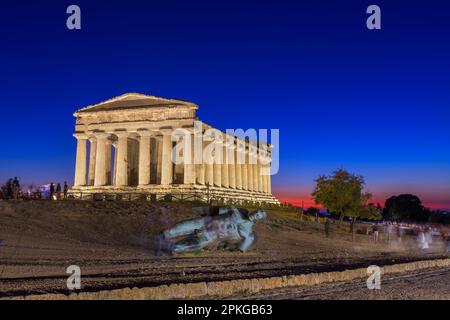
x=138, y=145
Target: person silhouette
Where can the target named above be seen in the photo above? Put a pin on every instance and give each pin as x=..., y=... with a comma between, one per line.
x=58, y=191
x=52, y=190
x=15, y=188
x=66, y=189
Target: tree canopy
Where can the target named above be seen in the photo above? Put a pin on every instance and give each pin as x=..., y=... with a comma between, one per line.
x=342, y=193
x=405, y=207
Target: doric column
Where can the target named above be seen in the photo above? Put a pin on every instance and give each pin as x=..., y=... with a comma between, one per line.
x=144, y=157
x=189, y=166
x=80, y=162
x=264, y=178
x=249, y=160
x=263, y=174
x=100, y=178
x=269, y=177
x=260, y=171
x=218, y=159
x=208, y=161
x=166, y=159
x=197, y=155
x=122, y=159
x=265, y=159
x=238, y=163
x=254, y=165
x=209, y=174
x=231, y=160
x=200, y=167
x=224, y=167
x=255, y=175
x=201, y=173
x=244, y=169
x=266, y=165
x=92, y=154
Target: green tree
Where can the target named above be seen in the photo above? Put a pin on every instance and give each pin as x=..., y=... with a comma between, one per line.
x=362, y=211
x=405, y=207
x=342, y=193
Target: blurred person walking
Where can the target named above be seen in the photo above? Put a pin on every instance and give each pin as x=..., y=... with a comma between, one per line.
x=375, y=233
x=422, y=240
x=58, y=191
x=428, y=235
x=389, y=229
x=66, y=189
x=399, y=233
x=9, y=188
x=15, y=188
x=327, y=227
x=52, y=191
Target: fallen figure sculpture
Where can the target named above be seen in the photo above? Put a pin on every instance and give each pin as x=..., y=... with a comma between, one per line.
x=225, y=226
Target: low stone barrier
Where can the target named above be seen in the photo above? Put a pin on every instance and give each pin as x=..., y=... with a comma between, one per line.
x=230, y=287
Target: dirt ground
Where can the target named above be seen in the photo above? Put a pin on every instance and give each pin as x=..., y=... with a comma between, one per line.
x=432, y=284
x=112, y=242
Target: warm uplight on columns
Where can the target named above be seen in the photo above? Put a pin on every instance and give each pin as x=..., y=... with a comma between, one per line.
x=218, y=160
x=167, y=164
x=201, y=167
x=189, y=166
x=244, y=166
x=231, y=160
x=208, y=159
x=121, y=159
x=224, y=166
x=260, y=170
x=254, y=166
x=100, y=178
x=144, y=157
x=80, y=164
x=92, y=154
x=249, y=161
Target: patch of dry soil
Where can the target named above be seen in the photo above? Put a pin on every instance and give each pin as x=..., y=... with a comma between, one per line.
x=112, y=242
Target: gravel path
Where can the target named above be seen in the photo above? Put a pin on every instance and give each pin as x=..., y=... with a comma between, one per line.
x=424, y=285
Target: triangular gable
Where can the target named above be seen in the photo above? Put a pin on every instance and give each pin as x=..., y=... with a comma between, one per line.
x=135, y=100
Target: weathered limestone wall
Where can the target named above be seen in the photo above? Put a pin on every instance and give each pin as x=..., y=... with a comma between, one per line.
x=228, y=288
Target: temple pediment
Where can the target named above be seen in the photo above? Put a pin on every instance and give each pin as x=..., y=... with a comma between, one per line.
x=133, y=101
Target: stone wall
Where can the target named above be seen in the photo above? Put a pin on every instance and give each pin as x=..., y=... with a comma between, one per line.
x=228, y=288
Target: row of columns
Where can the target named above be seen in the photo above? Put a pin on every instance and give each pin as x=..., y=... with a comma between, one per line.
x=252, y=175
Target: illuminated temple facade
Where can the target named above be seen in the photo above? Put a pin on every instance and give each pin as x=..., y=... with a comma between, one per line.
x=125, y=146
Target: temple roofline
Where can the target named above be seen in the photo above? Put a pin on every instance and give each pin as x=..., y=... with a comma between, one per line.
x=168, y=102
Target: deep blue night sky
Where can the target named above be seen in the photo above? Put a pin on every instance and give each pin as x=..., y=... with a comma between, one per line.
x=374, y=102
